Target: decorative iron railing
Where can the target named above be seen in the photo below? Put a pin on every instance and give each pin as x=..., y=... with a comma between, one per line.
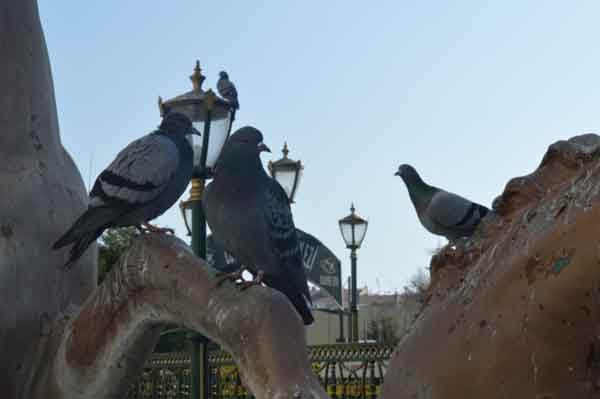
x=166, y=375
x=345, y=370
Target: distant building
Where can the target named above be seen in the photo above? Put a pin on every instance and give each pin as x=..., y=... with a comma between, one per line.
x=395, y=311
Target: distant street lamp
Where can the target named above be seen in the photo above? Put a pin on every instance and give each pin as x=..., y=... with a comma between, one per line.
x=212, y=116
x=353, y=229
x=287, y=172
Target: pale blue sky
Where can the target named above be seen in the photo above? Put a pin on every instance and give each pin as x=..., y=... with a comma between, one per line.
x=470, y=93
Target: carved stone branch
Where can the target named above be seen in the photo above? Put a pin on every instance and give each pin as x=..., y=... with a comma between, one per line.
x=100, y=349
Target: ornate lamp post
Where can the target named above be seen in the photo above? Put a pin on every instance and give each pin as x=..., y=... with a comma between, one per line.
x=287, y=172
x=353, y=229
x=212, y=116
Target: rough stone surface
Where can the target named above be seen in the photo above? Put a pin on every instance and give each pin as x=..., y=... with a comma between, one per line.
x=42, y=193
x=514, y=314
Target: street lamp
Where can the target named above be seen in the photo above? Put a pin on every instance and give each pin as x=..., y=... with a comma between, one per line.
x=353, y=229
x=212, y=116
x=287, y=172
x=209, y=114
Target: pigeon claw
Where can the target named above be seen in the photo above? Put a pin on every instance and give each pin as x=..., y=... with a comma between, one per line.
x=233, y=276
x=155, y=229
x=257, y=280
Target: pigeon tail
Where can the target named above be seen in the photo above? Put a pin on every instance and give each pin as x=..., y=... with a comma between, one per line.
x=92, y=220
x=301, y=304
x=81, y=245
x=297, y=297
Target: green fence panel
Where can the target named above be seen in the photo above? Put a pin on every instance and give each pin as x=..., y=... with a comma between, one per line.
x=345, y=370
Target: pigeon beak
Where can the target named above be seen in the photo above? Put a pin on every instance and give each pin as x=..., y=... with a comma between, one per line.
x=263, y=147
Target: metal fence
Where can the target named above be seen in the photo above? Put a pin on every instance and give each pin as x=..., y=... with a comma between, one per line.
x=345, y=370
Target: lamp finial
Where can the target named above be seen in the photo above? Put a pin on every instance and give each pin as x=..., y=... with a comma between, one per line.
x=197, y=78
x=285, y=150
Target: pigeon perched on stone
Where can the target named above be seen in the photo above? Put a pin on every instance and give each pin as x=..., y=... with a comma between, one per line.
x=249, y=214
x=227, y=90
x=145, y=179
x=439, y=211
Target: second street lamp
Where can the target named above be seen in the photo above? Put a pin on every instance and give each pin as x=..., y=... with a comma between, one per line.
x=211, y=115
x=287, y=172
x=353, y=229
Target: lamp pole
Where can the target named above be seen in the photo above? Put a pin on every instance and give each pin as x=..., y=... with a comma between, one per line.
x=341, y=338
x=353, y=305
x=350, y=339
x=353, y=229
x=341, y=313
x=200, y=377
x=202, y=107
x=200, y=342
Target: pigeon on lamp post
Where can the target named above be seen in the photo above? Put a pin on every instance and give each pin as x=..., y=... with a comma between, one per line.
x=227, y=90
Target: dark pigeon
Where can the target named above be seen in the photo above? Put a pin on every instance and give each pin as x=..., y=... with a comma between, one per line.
x=249, y=214
x=145, y=180
x=441, y=212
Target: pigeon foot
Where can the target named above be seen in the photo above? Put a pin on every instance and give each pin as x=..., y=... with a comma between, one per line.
x=233, y=276
x=155, y=229
x=458, y=244
x=257, y=280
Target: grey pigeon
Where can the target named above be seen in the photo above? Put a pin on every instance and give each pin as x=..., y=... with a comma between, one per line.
x=227, y=90
x=249, y=214
x=439, y=211
x=145, y=179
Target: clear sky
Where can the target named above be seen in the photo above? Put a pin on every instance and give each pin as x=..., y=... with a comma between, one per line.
x=469, y=93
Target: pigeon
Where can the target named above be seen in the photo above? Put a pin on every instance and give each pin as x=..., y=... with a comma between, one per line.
x=145, y=179
x=441, y=212
x=227, y=90
x=249, y=213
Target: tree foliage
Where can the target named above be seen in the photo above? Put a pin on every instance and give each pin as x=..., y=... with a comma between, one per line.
x=418, y=285
x=113, y=243
x=383, y=330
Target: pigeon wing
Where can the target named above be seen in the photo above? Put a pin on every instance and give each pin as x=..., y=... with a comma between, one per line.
x=228, y=91
x=283, y=235
x=453, y=211
x=138, y=174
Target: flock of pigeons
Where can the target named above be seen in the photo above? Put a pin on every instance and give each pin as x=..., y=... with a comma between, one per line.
x=246, y=209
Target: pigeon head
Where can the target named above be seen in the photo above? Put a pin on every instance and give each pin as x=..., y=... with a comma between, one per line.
x=407, y=173
x=223, y=75
x=177, y=123
x=241, y=153
x=248, y=139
